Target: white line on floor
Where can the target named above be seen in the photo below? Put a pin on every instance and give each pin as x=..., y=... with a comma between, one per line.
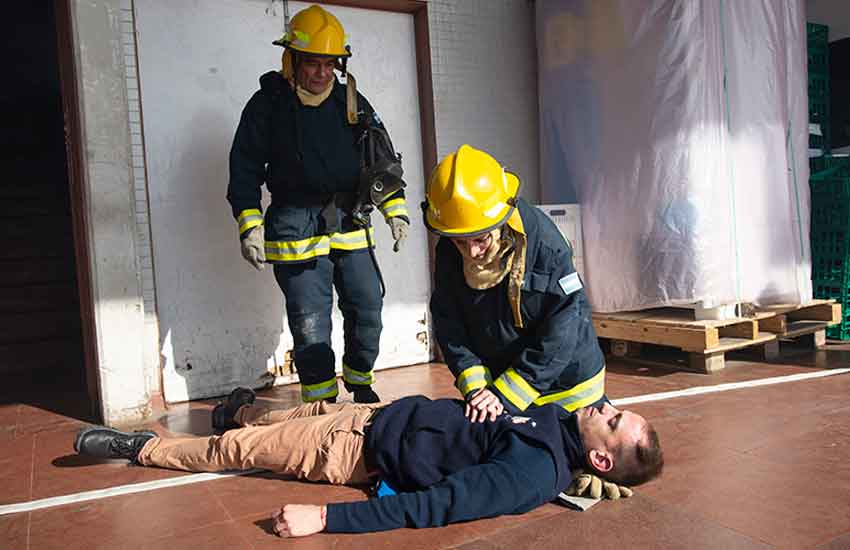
x=119, y=490
x=688, y=392
x=199, y=478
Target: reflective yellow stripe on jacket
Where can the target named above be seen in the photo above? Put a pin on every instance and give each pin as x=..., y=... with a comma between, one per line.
x=393, y=207
x=248, y=219
x=313, y=247
x=473, y=378
x=521, y=394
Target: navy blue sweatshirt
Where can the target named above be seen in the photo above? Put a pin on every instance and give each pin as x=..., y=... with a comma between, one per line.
x=455, y=470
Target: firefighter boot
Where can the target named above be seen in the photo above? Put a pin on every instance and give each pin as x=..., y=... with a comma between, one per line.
x=223, y=414
x=366, y=394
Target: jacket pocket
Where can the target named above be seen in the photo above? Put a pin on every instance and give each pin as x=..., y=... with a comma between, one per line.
x=289, y=223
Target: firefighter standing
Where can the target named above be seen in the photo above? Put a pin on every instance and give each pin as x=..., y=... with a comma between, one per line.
x=297, y=136
x=508, y=307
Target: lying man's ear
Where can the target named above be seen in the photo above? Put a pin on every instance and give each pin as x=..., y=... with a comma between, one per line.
x=601, y=461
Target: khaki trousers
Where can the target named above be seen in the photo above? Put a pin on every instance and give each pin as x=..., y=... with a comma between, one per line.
x=318, y=441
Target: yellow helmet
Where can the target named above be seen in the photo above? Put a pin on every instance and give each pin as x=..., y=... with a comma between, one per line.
x=469, y=193
x=315, y=31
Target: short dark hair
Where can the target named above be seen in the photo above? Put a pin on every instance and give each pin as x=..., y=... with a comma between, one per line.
x=642, y=464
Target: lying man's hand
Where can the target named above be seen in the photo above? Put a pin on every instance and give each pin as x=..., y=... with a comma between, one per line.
x=299, y=520
x=590, y=486
x=483, y=403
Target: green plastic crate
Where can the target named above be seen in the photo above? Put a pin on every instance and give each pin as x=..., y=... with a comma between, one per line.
x=818, y=67
x=830, y=236
x=818, y=83
x=841, y=331
x=817, y=57
x=819, y=112
x=828, y=167
x=831, y=203
x=817, y=33
x=833, y=290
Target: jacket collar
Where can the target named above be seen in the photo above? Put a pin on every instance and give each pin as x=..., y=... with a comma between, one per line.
x=573, y=447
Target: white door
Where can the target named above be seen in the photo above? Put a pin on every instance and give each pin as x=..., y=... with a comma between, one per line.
x=221, y=322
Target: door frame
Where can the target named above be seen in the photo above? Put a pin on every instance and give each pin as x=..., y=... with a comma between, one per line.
x=71, y=109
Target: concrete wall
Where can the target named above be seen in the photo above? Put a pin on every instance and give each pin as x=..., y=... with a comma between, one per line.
x=484, y=64
x=112, y=233
x=144, y=252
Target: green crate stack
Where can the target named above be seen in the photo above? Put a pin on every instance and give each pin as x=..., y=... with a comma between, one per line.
x=830, y=235
x=818, y=54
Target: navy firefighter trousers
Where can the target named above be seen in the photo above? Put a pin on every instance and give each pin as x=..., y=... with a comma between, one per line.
x=309, y=301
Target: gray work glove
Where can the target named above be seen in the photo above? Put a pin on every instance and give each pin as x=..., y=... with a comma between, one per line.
x=591, y=486
x=254, y=247
x=399, y=229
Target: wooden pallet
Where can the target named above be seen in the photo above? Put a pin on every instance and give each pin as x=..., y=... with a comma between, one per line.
x=707, y=341
x=806, y=323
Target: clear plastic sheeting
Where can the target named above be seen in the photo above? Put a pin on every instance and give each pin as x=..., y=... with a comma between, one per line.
x=681, y=128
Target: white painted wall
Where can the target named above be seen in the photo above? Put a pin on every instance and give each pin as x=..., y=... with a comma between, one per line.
x=222, y=323
x=150, y=342
x=118, y=306
x=484, y=64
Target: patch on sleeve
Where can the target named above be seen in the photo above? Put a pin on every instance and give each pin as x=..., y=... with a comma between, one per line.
x=570, y=283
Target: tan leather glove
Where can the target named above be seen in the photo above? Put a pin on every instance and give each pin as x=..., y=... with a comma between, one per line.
x=591, y=486
x=254, y=247
x=399, y=229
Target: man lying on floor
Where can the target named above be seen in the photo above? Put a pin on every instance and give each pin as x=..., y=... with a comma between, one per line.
x=444, y=468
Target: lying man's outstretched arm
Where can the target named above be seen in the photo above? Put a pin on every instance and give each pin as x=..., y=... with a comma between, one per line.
x=517, y=479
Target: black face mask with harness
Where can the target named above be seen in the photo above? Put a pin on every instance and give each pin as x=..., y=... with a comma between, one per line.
x=380, y=169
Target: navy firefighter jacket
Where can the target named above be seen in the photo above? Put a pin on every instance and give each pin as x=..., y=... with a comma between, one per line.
x=455, y=470
x=308, y=158
x=553, y=358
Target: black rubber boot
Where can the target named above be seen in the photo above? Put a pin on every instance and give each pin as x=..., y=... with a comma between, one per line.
x=223, y=413
x=366, y=394
x=105, y=442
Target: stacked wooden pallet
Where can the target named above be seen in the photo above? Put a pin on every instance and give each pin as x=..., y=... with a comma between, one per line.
x=808, y=321
x=707, y=341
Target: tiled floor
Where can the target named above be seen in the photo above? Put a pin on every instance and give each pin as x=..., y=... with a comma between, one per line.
x=764, y=467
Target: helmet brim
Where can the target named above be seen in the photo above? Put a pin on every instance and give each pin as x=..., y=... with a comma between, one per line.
x=435, y=226
x=287, y=44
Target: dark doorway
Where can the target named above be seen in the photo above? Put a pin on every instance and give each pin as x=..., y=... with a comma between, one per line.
x=42, y=362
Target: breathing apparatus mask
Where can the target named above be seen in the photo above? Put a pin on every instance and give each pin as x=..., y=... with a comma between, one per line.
x=380, y=169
